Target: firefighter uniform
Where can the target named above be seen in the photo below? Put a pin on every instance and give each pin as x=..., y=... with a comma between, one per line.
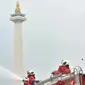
x=31, y=78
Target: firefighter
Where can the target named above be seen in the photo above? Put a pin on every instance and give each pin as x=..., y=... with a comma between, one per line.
x=30, y=79
x=63, y=68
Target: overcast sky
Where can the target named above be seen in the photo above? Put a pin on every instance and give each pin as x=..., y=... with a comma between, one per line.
x=54, y=30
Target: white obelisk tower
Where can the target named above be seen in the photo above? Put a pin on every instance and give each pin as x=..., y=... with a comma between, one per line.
x=18, y=18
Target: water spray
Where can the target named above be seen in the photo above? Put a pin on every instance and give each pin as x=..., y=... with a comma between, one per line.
x=6, y=74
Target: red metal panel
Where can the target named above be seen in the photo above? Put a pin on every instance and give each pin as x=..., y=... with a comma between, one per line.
x=68, y=81
x=82, y=80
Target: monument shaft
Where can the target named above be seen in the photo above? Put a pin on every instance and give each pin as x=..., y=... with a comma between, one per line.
x=18, y=55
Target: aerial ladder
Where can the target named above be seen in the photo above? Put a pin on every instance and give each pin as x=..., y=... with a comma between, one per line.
x=53, y=80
